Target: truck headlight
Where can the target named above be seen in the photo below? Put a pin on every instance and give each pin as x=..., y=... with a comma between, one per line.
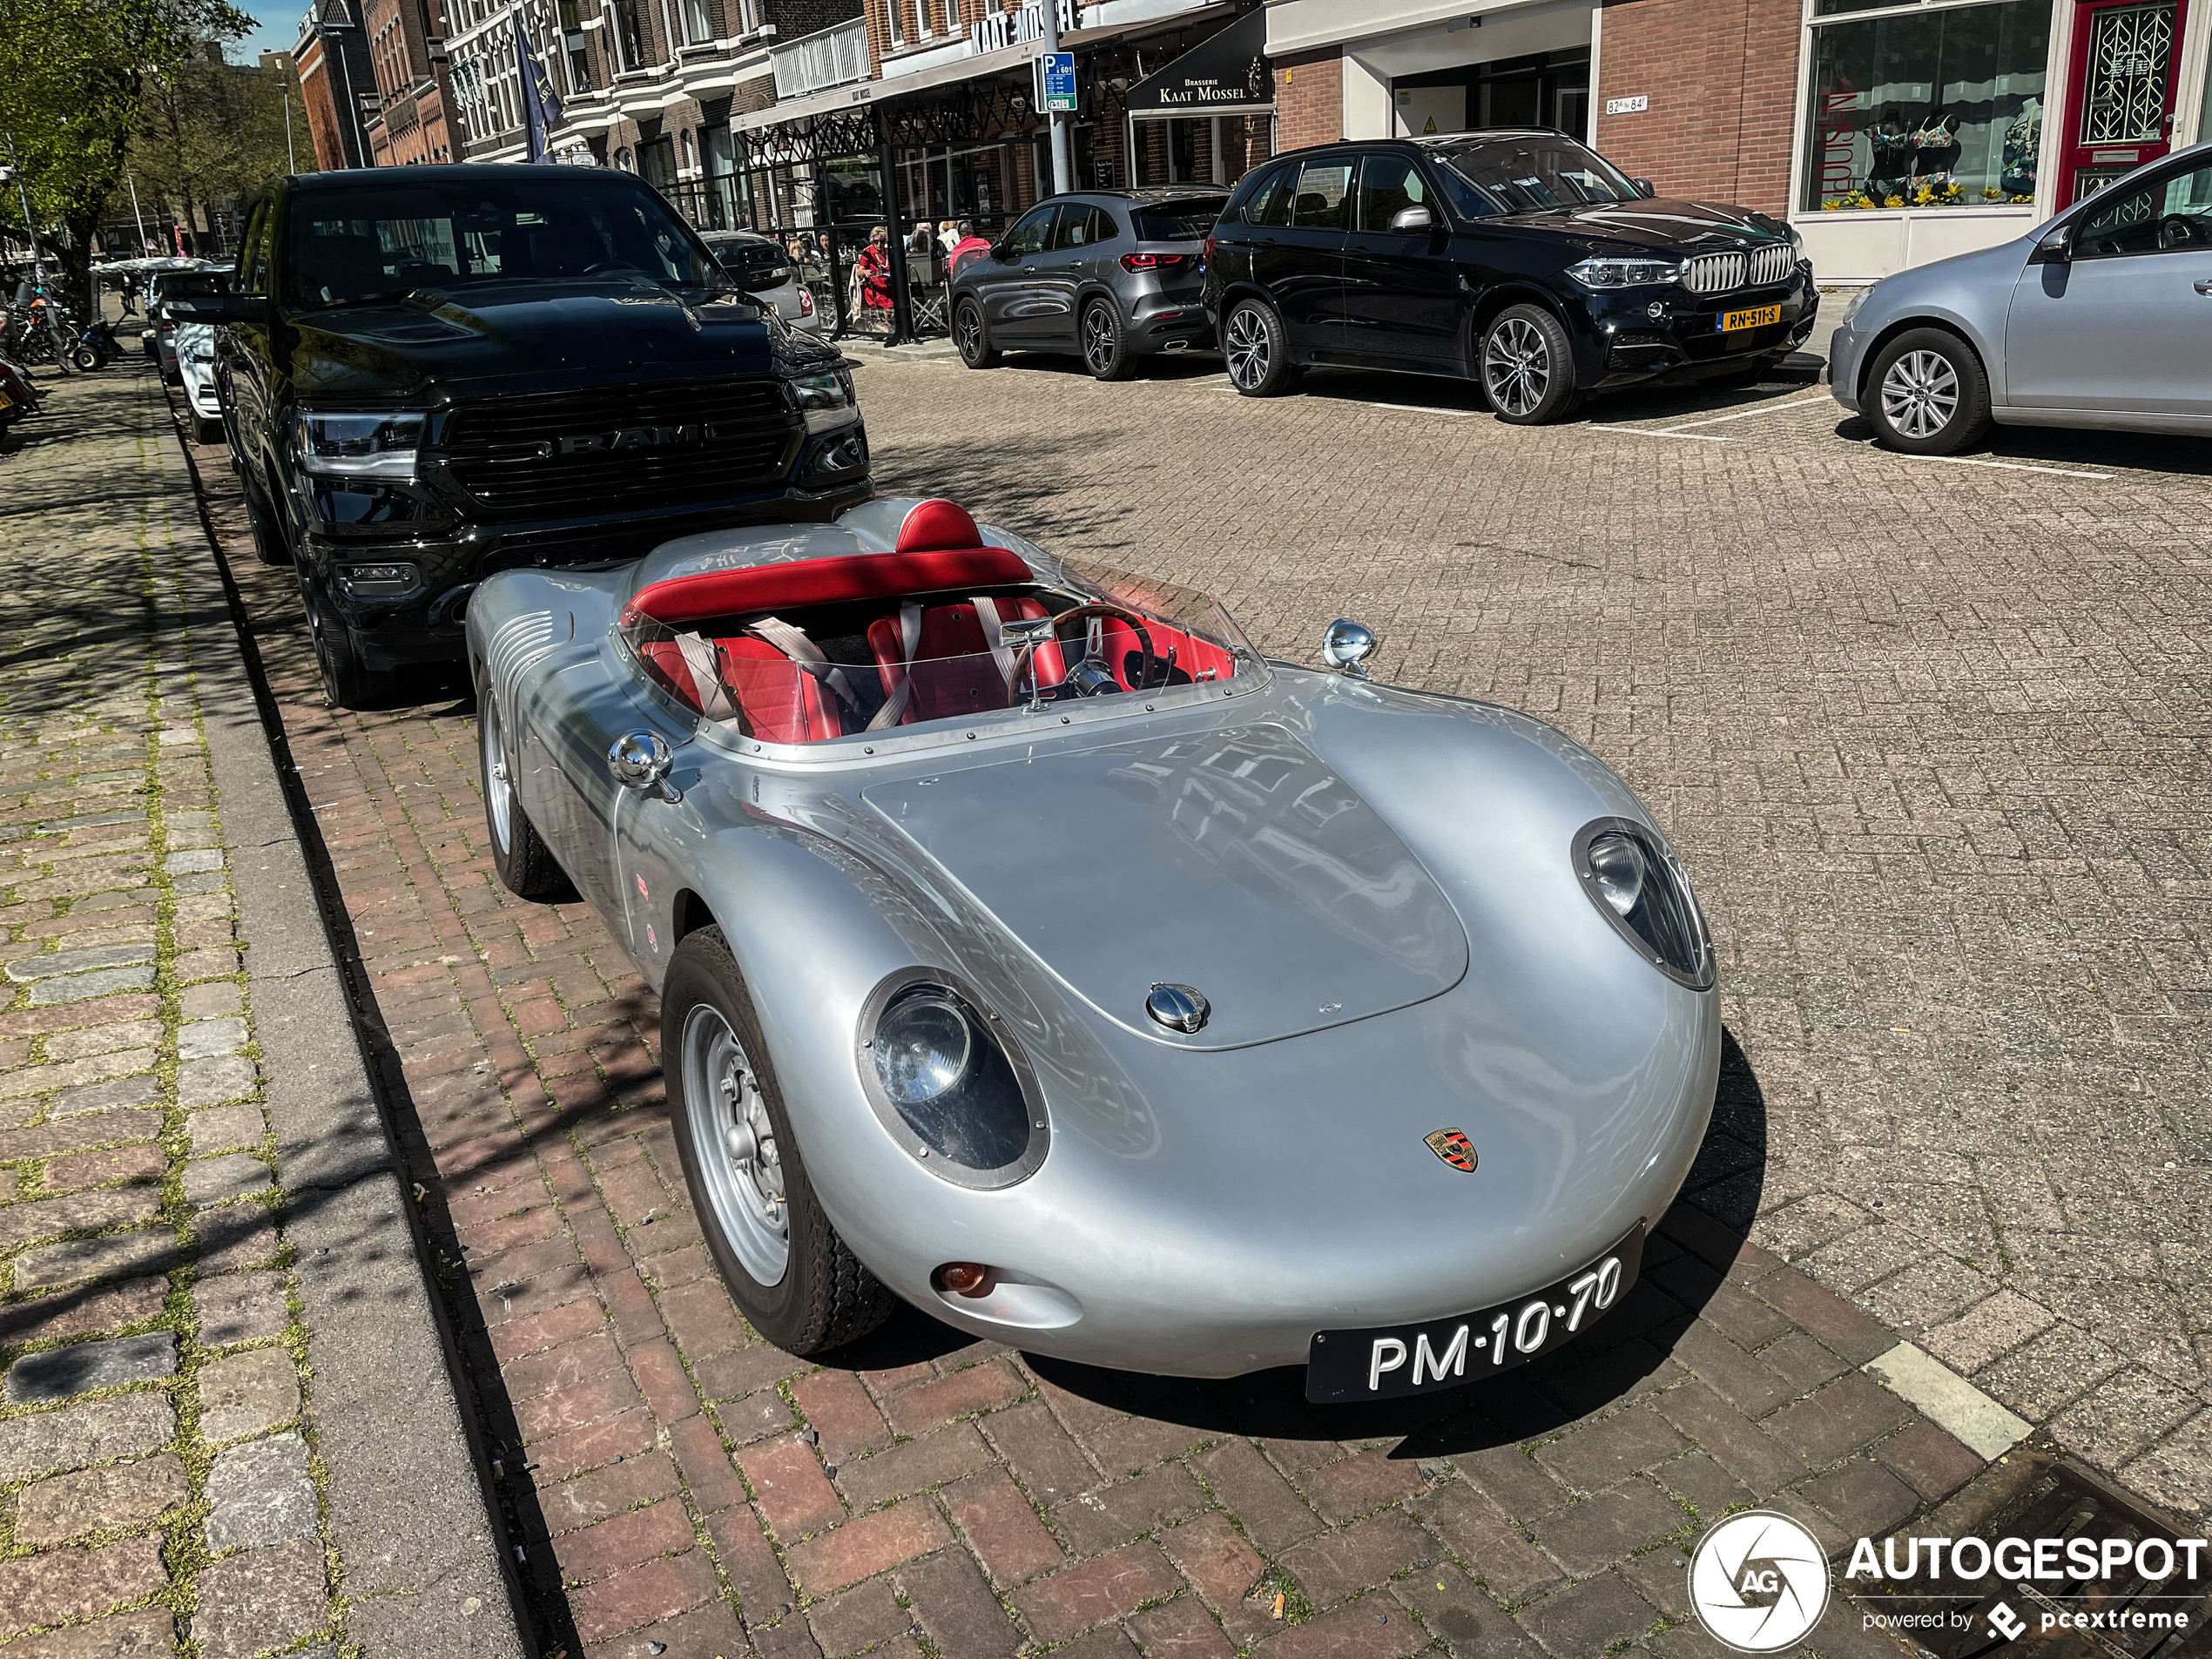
x=358, y=446
x=826, y=400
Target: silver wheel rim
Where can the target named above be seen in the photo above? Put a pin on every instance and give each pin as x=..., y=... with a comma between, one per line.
x=742, y=1165
x=1098, y=339
x=499, y=797
x=1517, y=365
x=971, y=333
x=1249, y=350
x=1920, y=394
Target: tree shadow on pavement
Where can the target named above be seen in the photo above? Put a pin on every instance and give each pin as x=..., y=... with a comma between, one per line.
x=1618, y=1356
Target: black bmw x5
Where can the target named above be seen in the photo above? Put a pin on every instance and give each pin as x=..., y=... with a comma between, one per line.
x=1519, y=257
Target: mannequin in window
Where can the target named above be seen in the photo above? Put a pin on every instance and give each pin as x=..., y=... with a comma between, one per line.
x=1889, y=143
x=2023, y=139
x=1935, y=152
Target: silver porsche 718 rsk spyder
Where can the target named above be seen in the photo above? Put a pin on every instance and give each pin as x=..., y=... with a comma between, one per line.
x=1031, y=948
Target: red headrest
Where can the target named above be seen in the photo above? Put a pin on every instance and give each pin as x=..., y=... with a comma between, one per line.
x=933, y=524
x=830, y=581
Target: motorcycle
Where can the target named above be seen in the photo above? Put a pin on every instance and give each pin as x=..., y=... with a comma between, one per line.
x=95, y=348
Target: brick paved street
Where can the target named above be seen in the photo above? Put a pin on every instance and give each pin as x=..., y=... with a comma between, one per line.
x=1932, y=738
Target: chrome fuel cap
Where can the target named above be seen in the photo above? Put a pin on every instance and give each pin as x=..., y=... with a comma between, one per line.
x=1178, y=1008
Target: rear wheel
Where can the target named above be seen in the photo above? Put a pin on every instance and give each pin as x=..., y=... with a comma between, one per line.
x=1528, y=367
x=973, y=336
x=1926, y=393
x=525, y=864
x=86, y=359
x=270, y=545
x=796, y=1281
x=1106, y=352
x=1254, y=346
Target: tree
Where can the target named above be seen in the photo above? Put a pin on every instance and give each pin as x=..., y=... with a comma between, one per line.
x=72, y=77
x=207, y=131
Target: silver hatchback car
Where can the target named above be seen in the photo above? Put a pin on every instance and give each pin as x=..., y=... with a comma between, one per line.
x=2101, y=317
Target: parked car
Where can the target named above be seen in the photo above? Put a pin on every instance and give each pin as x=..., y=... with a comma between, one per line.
x=1107, y=275
x=1517, y=258
x=2096, y=319
x=432, y=373
x=161, y=323
x=1029, y=948
x=195, y=348
x=762, y=266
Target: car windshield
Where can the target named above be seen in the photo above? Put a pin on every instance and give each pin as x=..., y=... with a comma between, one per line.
x=810, y=673
x=1178, y=221
x=458, y=231
x=1535, y=174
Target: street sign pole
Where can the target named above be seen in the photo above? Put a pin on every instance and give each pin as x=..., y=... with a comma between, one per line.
x=1062, y=172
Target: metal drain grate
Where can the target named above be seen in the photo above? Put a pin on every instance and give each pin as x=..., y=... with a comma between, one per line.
x=2037, y=1497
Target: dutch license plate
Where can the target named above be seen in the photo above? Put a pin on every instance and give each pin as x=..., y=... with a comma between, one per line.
x=1390, y=1361
x=1756, y=317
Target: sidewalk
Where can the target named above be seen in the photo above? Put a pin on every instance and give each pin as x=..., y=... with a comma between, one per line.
x=225, y=1420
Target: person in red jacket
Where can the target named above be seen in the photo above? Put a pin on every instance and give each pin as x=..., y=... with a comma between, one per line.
x=968, y=243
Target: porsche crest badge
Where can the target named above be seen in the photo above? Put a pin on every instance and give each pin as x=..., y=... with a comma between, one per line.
x=1453, y=1148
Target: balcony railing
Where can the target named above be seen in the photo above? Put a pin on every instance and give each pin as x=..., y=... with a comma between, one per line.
x=826, y=58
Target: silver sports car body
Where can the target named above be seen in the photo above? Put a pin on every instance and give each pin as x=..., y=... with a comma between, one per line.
x=1029, y=946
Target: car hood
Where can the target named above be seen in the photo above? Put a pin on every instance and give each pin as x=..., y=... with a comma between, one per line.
x=1235, y=861
x=536, y=336
x=1683, y=227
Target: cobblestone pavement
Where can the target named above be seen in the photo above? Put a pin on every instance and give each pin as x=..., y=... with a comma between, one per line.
x=1928, y=735
x=161, y=1472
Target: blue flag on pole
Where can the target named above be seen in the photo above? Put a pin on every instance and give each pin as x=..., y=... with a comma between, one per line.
x=540, y=104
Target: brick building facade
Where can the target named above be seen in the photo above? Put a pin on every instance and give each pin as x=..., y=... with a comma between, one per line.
x=333, y=59
x=406, y=54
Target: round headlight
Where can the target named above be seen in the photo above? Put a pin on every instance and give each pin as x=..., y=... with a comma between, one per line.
x=1617, y=866
x=922, y=1048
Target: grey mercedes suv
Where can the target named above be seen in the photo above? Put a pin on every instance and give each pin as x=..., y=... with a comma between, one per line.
x=1107, y=275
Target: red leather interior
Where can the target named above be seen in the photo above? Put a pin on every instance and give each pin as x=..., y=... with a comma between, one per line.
x=684, y=599
x=938, y=523
x=1125, y=655
x=782, y=703
x=953, y=671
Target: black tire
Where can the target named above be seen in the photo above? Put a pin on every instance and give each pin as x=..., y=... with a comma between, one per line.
x=346, y=682
x=1526, y=366
x=1257, y=351
x=86, y=359
x=972, y=335
x=823, y=1297
x=207, y=428
x=1926, y=395
x=526, y=866
x=1105, y=342
x=271, y=546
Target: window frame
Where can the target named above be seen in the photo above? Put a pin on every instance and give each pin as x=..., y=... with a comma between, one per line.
x=1427, y=199
x=1346, y=205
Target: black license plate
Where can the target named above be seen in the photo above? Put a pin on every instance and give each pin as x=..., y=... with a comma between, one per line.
x=1390, y=1361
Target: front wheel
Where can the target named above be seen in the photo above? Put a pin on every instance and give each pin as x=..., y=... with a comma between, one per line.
x=526, y=866
x=1927, y=394
x=973, y=336
x=84, y=359
x=793, y=1278
x=1528, y=367
x=1106, y=352
x=1254, y=346
x=348, y=683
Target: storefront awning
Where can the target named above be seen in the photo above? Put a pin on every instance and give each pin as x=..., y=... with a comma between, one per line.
x=1228, y=73
x=1012, y=60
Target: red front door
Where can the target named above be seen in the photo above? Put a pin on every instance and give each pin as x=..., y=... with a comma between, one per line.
x=2127, y=65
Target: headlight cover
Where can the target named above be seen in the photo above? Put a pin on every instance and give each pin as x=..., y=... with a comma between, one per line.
x=949, y=1083
x=1639, y=886
x=826, y=400
x=1626, y=273
x=358, y=446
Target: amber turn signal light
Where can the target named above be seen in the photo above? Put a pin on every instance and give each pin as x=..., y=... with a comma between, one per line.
x=965, y=1279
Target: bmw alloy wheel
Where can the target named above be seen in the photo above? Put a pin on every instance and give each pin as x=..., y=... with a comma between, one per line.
x=1517, y=365
x=499, y=790
x=737, y=1146
x=1920, y=394
x=1249, y=349
x=1098, y=339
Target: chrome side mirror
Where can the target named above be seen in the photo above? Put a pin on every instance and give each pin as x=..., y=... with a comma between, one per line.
x=641, y=760
x=1346, y=645
x=1408, y=219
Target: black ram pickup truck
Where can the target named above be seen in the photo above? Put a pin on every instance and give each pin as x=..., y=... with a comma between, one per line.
x=432, y=374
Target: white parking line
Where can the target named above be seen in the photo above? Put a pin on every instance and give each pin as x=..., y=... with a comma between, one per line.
x=2010, y=466
x=1656, y=432
x=1418, y=408
x=1745, y=414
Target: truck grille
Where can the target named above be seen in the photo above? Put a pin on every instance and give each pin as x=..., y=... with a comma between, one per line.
x=622, y=448
x=1718, y=273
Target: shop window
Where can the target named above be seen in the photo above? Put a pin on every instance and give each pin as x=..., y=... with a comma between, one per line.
x=1926, y=107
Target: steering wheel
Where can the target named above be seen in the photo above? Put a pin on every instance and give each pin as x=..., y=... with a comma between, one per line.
x=1084, y=613
x=2179, y=230
x=604, y=266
